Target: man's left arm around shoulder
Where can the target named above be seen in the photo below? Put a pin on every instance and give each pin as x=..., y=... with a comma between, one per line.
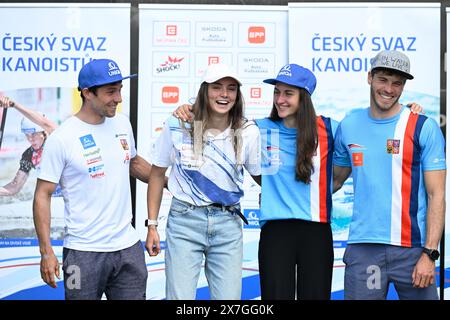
x=424, y=271
x=140, y=169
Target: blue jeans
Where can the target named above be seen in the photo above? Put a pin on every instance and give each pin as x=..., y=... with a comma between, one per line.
x=193, y=232
x=370, y=268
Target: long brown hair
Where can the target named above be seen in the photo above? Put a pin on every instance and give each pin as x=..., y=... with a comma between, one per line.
x=307, y=137
x=236, y=120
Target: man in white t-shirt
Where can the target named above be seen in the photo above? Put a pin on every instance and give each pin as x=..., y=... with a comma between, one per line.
x=91, y=156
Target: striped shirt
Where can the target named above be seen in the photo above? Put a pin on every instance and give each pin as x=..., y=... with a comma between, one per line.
x=388, y=159
x=283, y=197
x=213, y=176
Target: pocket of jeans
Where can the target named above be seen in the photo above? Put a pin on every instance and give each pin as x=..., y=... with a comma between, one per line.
x=66, y=253
x=346, y=256
x=178, y=208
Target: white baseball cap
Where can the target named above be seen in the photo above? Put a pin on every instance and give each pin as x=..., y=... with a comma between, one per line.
x=27, y=126
x=218, y=71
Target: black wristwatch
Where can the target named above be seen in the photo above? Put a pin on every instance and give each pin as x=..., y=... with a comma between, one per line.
x=433, y=254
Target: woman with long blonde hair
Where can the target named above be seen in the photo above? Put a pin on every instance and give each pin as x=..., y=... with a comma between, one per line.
x=207, y=160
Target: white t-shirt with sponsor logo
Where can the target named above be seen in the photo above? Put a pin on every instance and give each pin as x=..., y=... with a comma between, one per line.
x=91, y=163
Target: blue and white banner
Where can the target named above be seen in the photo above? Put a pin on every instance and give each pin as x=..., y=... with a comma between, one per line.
x=336, y=41
x=42, y=48
x=177, y=43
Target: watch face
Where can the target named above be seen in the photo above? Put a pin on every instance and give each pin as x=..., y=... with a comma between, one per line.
x=434, y=254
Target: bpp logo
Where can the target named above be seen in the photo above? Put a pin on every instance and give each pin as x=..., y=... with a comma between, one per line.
x=256, y=34
x=170, y=94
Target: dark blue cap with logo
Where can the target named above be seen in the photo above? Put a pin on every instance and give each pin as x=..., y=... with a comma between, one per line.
x=100, y=72
x=297, y=76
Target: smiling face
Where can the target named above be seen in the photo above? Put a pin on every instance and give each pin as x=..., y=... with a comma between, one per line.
x=222, y=96
x=385, y=91
x=287, y=101
x=105, y=100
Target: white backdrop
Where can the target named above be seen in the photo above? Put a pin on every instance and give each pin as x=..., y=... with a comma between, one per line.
x=42, y=48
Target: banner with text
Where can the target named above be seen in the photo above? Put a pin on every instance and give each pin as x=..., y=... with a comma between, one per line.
x=336, y=41
x=42, y=49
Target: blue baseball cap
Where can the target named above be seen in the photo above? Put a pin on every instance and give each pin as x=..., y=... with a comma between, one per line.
x=100, y=72
x=297, y=76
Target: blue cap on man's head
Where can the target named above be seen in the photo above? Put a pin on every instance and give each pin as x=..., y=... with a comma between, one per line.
x=297, y=76
x=100, y=72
